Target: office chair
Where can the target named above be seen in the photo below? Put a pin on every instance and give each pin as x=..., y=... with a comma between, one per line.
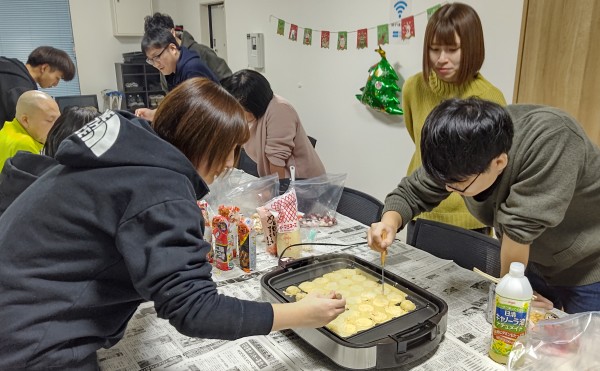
x=247, y=164
x=466, y=248
x=360, y=206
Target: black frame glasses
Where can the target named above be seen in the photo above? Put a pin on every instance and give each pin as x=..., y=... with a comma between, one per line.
x=464, y=189
x=155, y=59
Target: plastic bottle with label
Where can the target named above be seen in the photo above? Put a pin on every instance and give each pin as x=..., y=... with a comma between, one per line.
x=513, y=298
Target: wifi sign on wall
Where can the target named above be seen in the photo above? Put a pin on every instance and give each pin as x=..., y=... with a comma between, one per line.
x=400, y=6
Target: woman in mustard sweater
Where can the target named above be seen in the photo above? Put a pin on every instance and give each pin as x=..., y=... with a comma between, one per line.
x=453, y=52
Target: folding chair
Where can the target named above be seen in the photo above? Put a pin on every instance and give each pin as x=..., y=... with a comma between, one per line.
x=360, y=206
x=466, y=248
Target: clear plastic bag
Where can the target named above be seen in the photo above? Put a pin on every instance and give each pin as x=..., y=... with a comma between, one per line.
x=250, y=195
x=318, y=199
x=223, y=185
x=567, y=343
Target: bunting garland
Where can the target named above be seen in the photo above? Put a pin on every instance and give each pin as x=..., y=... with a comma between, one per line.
x=404, y=29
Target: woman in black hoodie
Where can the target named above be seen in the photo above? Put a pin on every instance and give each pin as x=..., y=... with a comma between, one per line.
x=116, y=223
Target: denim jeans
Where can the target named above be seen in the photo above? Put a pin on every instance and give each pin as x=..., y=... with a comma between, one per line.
x=571, y=299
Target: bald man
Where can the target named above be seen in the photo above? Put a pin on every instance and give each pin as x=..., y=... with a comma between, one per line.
x=36, y=112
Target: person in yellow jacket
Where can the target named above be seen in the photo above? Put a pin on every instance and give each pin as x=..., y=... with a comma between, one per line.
x=453, y=53
x=36, y=112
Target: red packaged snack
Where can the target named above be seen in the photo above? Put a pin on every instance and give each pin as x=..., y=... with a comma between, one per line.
x=222, y=252
x=232, y=213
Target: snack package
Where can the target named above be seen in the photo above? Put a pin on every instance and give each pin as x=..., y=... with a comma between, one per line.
x=247, y=247
x=285, y=210
x=222, y=252
x=232, y=213
x=207, y=234
x=269, y=227
x=256, y=223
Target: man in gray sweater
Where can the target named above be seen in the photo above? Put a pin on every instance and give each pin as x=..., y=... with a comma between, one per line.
x=528, y=171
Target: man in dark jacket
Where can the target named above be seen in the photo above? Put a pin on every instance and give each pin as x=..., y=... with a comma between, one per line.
x=217, y=64
x=175, y=62
x=45, y=67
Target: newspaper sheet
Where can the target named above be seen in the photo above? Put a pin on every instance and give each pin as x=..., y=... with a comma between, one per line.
x=151, y=343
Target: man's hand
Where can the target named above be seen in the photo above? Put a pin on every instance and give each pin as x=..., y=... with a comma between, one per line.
x=541, y=302
x=381, y=235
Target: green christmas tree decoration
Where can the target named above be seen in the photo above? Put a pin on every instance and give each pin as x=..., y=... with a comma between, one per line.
x=381, y=90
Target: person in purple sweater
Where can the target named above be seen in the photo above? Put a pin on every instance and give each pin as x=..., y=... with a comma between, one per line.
x=116, y=223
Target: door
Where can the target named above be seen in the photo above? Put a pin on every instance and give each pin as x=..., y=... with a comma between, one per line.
x=218, y=35
x=559, y=54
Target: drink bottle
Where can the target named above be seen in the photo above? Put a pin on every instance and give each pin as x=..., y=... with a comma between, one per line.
x=513, y=298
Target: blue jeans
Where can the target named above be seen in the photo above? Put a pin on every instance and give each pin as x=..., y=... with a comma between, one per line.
x=572, y=299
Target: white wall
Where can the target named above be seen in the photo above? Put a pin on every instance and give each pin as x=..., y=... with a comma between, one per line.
x=96, y=48
x=373, y=148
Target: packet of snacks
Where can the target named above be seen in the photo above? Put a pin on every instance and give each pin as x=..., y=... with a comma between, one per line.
x=232, y=213
x=285, y=210
x=220, y=230
x=269, y=228
x=247, y=240
x=207, y=234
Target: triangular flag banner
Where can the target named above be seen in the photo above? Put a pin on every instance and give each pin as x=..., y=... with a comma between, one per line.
x=280, y=27
x=362, y=38
x=407, y=25
x=381, y=90
x=383, y=34
x=432, y=10
x=342, y=43
x=293, y=32
x=307, y=39
x=325, y=39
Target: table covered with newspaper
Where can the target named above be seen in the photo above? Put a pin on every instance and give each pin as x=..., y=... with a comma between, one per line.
x=151, y=343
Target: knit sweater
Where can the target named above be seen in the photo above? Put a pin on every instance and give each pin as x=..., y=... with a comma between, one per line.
x=14, y=138
x=548, y=196
x=418, y=100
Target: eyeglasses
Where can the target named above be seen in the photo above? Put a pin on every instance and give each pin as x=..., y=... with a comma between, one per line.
x=464, y=189
x=155, y=59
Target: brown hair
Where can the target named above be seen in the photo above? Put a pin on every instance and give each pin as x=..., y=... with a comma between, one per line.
x=444, y=23
x=57, y=60
x=203, y=121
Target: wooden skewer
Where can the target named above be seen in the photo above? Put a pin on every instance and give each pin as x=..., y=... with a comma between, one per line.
x=492, y=278
x=485, y=275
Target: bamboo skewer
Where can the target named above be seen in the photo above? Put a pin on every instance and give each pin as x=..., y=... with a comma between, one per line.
x=485, y=275
x=492, y=278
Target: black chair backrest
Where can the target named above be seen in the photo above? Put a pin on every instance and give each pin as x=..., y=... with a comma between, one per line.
x=467, y=248
x=313, y=141
x=360, y=206
x=247, y=164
